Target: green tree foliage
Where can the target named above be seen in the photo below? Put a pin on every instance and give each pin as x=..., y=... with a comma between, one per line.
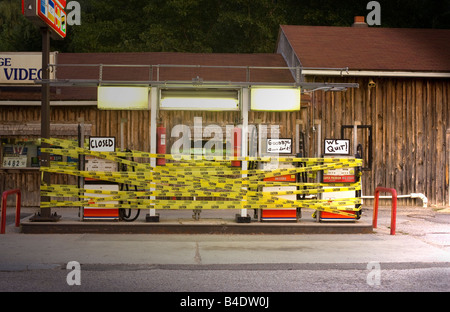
x=16, y=33
x=178, y=25
x=235, y=26
x=246, y=26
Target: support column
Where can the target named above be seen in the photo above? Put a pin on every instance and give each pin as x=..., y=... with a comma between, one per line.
x=152, y=216
x=244, y=217
x=44, y=214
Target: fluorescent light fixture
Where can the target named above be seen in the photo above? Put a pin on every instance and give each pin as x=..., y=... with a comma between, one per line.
x=122, y=97
x=210, y=100
x=274, y=99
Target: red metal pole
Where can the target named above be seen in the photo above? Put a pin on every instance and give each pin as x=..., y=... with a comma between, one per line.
x=393, y=211
x=3, y=213
x=375, y=208
x=393, y=207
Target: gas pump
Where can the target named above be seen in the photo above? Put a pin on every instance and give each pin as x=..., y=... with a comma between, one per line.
x=339, y=149
x=101, y=144
x=279, y=146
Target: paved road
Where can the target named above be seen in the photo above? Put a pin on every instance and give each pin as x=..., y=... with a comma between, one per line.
x=417, y=258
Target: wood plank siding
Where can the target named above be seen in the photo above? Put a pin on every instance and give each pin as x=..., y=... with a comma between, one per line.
x=409, y=115
x=102, y=123
x=410, y=118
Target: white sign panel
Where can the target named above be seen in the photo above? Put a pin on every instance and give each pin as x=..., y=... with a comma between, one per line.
x=337, y=147
x=122, y=97
x=282, y=146
x=102, y=144
x=22, y=68
x=15, y=162
x=15, y=156
x=97, y=164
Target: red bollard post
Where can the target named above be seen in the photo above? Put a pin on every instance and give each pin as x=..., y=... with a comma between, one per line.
x=393, y=207
x=3, y=214
x=375, y=209
x=393, y=211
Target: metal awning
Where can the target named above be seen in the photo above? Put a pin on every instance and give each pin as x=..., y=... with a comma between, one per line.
x=197, y=82
x=306, y=86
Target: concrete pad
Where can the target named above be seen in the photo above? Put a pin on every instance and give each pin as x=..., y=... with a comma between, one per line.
x=181, y=222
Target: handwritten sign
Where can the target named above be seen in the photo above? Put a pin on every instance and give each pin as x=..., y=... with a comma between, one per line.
x=282, y=146
x=337, y=147
x=102, y=144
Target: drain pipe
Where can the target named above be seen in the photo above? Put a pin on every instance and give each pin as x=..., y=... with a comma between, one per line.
x=412, y=195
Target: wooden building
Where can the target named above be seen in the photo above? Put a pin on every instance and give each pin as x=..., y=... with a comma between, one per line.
x=406, y=110
x=403, y=95
x=72, y=105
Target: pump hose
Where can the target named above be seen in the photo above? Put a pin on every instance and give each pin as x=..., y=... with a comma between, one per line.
x=302, y=177
x=125, y=216
x=359, y=154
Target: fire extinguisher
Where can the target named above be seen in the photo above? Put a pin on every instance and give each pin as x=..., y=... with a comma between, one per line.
x=237, y=135
x=161, y=144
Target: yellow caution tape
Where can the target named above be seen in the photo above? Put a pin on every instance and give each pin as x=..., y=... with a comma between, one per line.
x=114, y=155
x=200, y=177
x=176, y=205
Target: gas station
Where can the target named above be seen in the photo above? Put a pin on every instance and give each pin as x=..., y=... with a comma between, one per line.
x=260, y=167
x=247, y=173
x=193, y=143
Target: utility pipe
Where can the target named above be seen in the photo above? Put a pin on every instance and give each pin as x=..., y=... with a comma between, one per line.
x=412, y=195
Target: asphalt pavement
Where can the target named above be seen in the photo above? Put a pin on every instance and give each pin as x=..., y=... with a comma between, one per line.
x=417, y=258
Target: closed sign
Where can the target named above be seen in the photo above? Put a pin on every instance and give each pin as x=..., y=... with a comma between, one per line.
x=102, y=144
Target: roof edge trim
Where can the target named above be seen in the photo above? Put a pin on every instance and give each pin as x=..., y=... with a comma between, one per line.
x=376, y=73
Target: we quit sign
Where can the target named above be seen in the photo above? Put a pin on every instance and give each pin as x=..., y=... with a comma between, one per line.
x=336, y=147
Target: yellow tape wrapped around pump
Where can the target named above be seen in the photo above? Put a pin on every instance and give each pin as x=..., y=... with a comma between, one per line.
x=209, y=177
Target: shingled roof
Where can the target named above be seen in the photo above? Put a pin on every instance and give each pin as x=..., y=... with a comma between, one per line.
x=369, y=48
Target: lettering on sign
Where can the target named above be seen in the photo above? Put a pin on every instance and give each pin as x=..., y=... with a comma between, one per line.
x=22, y=68
x=337, y=147
x=282, y=146
x=14, y=156
x=102, y=144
